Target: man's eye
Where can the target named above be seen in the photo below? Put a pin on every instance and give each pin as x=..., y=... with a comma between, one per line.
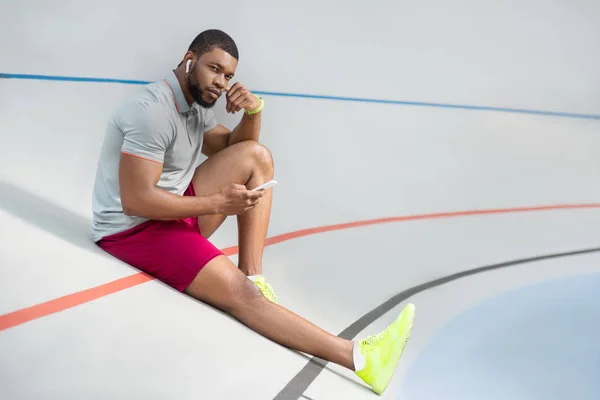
x=213, y=68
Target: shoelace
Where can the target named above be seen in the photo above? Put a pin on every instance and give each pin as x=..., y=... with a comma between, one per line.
x=266, y=289
x=371, y=340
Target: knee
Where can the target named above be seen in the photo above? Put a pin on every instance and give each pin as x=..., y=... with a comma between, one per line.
x=243, y=293
x=262, y=156
x=259, y=154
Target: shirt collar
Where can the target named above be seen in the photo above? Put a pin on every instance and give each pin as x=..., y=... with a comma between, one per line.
x=180, y=102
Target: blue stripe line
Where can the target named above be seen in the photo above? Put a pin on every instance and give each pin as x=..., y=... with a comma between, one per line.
x=71, y=79
x=439, y=105
x=320, y=97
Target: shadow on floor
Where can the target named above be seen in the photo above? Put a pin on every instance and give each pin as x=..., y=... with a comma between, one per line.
x=50, y=217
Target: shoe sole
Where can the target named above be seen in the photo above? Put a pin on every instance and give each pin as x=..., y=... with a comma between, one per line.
x=405, y=327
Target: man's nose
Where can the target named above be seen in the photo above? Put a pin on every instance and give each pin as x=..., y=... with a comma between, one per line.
x=220, y=81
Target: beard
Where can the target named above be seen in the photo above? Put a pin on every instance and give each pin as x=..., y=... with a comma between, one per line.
x=196, y=91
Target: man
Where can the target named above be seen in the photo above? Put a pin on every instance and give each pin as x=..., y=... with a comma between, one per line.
x=156, y=205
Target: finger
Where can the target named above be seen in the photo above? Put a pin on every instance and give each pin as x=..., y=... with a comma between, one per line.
x=238, y=97
x=228, y=106
x=246, y=103
x=242, y=103
x=250, y=197
x=230, y=92
x=233, y=90
x=249, y=204
x=255, y=194
x=234, y=87
x=238, y=105
x=234, y=105
x=254, y=200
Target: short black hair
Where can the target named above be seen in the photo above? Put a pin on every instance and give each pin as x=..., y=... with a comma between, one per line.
x=210, y=39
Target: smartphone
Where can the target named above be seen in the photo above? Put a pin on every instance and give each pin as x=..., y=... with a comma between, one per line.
x=266, y=185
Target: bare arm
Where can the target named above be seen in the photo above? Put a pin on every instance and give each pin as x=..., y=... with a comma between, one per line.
x=247, y=129
x=220, y=137
x=148, y=132
x=215, y=140
x=238, y=98
x=141, y=197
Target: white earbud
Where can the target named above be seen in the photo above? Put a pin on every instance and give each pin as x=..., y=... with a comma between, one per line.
x=187, y=66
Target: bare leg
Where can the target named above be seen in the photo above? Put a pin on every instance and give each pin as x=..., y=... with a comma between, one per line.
x=248, y=163
x=225, y=287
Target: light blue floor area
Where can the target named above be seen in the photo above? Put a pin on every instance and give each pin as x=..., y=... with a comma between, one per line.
x=538, y=342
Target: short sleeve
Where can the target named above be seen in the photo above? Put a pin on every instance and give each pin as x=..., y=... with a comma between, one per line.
x=210, y=120
x=147, y=132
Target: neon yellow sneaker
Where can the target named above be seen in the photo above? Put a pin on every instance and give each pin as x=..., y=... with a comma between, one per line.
x=382, y=351
x=265, y=288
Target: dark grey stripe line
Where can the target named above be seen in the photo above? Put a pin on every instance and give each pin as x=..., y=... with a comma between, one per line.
x=299, y=383
x=306, y=397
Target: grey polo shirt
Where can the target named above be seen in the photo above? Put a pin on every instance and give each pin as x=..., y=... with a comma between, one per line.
x=157, y=124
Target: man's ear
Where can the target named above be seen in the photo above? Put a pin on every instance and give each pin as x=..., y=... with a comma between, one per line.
x=188, y=59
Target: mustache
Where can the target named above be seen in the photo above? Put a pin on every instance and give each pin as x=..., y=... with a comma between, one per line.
x=196, y=91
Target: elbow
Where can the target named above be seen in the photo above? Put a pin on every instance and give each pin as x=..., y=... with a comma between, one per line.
x=129, y=209
x=130, y=206
x=138, y=203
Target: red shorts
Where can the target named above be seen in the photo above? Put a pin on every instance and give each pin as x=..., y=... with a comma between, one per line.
x=171, y=251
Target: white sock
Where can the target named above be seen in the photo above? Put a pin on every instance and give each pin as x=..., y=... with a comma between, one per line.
x=359, y=358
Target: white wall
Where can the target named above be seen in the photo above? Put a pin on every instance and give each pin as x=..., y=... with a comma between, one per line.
x=336, y=161
x=535, y=55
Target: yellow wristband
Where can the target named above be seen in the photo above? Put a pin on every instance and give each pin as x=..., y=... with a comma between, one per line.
x=259, y=109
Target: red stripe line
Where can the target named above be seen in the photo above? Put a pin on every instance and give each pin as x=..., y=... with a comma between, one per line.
x=143, y=158
x=62, y=303
x=71, y=300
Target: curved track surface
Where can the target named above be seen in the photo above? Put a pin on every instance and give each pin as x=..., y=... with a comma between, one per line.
x=446, y=158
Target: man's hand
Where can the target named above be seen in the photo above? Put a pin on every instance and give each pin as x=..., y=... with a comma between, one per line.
x=235, y=199
x=239, y=97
